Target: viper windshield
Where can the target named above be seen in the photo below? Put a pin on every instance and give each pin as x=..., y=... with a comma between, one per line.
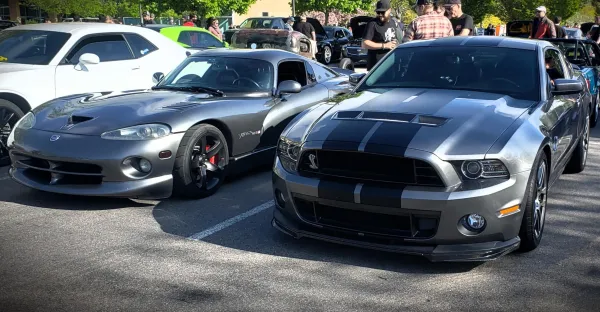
x=33, y=47
x=226, y=74
x=513, y=72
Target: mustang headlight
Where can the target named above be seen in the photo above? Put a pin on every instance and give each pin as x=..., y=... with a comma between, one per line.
x=138, y=133
x=288, y=152
x=486, y=169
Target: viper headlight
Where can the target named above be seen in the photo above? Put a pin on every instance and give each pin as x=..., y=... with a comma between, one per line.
x=26, y=122
x=138, y=133
x=288, y=152
x=483, y=169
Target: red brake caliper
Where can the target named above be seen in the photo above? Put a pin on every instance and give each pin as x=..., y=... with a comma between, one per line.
x=212, y=159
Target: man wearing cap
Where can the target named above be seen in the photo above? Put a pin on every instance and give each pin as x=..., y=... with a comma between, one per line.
x=542, y=26
x=309, y=31
x=461, y=22
x=429, y=24
x=380, y=34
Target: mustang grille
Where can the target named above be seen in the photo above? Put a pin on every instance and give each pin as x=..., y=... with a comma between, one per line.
x=376, y=225
x=58, y=172
x=368, y=168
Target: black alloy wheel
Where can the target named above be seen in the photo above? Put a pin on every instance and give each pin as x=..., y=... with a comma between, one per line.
x=9, y=115
x=534, y=215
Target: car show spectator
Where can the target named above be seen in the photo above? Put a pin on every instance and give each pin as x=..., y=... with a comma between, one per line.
x=147, y=18
x=191, y=21
x=309, y=31
x=428, y=24
x=380, y=34
x=212, y=25
x=289, y=23
x=490, y=30
x=594, y=32
x=461, y=22
x=542, y=26
x=561, y=32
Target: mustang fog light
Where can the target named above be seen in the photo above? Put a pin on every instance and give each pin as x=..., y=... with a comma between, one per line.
x=145, y=165
x=475, y=221
x=472, y=224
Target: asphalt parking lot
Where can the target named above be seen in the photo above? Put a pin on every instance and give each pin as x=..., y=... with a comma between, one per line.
x=60, y=253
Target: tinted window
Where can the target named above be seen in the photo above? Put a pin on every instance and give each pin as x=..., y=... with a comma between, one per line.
x=507, y=71
x=322, y=73
x=108, y=48
x=197, y=39
x=330, y=32
x=227, y=74
x=140, y=45
x=257, y=23
x=312, y=78
x=32, y=47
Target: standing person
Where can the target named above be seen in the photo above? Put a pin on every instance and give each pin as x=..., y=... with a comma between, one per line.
x=309, y=31
x=560, y=30
x=289, y=24
x=594, y=33
x=214, y=29
x=542, y=26
x=191, y=22
x=429, y=24
x=461, y=22
x=490, y=30
x=380, y=34
x=147, y=18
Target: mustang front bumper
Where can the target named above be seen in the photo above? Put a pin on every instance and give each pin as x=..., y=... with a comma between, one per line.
x=92, y=166
x=441, y=240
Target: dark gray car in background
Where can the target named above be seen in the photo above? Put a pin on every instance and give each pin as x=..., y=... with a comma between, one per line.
x=216, y=110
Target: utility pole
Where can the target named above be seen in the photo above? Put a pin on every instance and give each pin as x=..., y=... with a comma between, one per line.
x=294, y=8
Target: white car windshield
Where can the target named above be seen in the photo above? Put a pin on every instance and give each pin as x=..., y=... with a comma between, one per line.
x=227, y=74
x=513, y=72
x=34, y=47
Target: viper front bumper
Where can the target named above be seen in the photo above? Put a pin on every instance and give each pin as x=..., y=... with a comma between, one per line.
x=437, y=211
x=92, y=166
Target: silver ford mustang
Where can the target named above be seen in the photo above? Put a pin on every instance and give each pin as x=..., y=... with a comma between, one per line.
x=446, y=149
x=216, y=111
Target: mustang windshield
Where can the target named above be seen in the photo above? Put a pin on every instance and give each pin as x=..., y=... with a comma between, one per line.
x=226, y=74
x=33, y=47
x=513, y=72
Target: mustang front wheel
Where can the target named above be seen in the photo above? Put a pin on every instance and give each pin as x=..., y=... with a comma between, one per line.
x=534, y=216
x=201, y=163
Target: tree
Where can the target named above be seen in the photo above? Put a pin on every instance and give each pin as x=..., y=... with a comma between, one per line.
x=480, y=8
x=327, y=6
x=525, y=9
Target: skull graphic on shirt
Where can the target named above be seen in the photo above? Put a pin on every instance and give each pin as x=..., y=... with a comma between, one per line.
x=389, y=35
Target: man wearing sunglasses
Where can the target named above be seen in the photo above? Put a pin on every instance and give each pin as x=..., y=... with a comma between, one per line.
x=380, y=34
x=462, y=23
x=542, y=26
x=429, y=24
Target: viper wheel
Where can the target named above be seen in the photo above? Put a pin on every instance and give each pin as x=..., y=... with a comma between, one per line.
x=9, y=115
x=201, y=163
x=579, y=157
x=532, y=226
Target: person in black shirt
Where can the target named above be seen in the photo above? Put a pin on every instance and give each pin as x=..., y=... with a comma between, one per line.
x=560, y=30
x=380, y=34
x=309, y=31
x=461, y=22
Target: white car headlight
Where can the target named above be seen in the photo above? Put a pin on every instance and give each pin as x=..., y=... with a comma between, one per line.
x=138, y=133
x=288, y=152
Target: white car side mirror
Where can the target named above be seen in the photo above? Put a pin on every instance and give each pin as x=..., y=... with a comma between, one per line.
x=89, y=59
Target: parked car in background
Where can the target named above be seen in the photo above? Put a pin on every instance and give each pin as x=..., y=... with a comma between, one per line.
x=519, y=29
x=585, y=54
x=7, y=24
x=574, y=33
x=291, y=41
x=218, y=110
x=40, y=62
x=447, y=149
x=586, y=27
x=338, y=38
x=353, y=53
x=191, y=38
x=256, y=23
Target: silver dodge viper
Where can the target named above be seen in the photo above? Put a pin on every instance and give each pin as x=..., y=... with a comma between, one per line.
x=218, y=111
x=447, y=149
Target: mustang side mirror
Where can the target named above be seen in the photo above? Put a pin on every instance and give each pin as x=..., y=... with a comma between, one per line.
x=157, y=77
x=288, y=86
x=356, y=78
x=567, y=86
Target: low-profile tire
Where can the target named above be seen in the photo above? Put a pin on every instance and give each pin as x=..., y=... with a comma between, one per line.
x=201, y=162
x=10, y=113
x=579, y=157
x=536, y=199
x=346, y=63
x=594, y=119
x=327, y=55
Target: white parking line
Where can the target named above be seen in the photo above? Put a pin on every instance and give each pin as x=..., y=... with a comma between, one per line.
x=227, y=223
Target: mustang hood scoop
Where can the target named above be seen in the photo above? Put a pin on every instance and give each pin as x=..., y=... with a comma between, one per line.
x=425, y=120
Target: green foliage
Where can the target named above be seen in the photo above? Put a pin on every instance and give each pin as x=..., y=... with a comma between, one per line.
x=480, y=8
x=586, y=14
x=525, y=9
x=345, y=6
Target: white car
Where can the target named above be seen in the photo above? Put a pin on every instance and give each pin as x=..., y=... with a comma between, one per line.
x=42, y=62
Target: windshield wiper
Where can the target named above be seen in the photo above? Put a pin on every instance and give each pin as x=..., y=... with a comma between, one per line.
x=208, y=90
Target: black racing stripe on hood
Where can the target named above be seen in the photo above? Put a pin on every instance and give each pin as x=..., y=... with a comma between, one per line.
x=426, y=102
x=351, y=132
x=336, y=191
x=395, y=137
x=507, y=134
x=378, y=196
